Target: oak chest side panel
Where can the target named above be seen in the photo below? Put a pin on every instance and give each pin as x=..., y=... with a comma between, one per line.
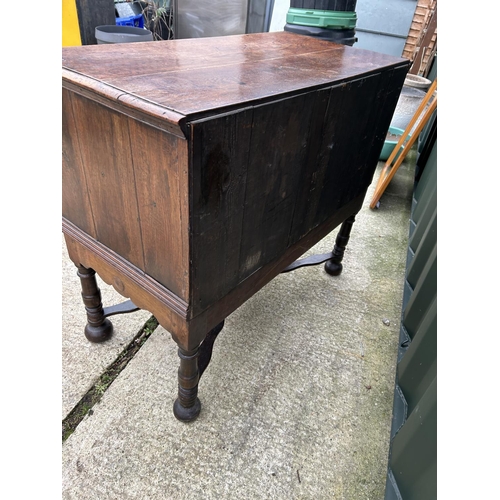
x=265, y=177
x=355, y=126
x=132, y=184
x=162, y=184
x=108, y=167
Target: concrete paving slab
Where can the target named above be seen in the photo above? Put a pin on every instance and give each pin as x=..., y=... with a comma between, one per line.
x=296, y=403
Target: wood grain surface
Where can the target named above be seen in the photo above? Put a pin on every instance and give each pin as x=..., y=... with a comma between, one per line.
x=193, y=76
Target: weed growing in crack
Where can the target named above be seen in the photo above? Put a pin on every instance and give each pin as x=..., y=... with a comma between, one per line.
x=94, y=395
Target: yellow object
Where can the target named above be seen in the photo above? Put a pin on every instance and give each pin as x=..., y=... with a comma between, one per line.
x=70, y=26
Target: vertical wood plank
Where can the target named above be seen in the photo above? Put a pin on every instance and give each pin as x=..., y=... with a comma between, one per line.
x=280, y=147
x=75, y=200
x=313, y=171
x=159, y=161
x=343, y=141
x=354, y=136
x=107, y=160
x=387, y=94
x=220, y=156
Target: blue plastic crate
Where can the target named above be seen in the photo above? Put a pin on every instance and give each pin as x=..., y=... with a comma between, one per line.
x=137, y=21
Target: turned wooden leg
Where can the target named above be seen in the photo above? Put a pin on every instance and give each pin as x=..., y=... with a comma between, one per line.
x=98, y=328
x=334, y=265
x=187, y=406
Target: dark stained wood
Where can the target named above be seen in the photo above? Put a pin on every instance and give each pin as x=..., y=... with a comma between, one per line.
x=319, y=148
x=203, y=322
x=221, y=148
x=187, y=406
x=334, y=265
x=312, y=260
x=307, y=156
x=124, y=307
x=195, y=171
x=347, y=141
x=280, y=136
x=98, y=328
x=193, y=363
x=207, y=347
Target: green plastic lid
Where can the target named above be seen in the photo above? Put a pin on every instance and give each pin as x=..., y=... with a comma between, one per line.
x=331, y=19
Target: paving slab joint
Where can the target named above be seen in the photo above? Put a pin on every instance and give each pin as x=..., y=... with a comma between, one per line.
x=95, y=393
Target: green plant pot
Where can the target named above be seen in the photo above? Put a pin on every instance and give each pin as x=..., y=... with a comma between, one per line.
x=389, y=146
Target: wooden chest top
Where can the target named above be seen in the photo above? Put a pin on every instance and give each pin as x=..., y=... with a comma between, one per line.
x=193, y=77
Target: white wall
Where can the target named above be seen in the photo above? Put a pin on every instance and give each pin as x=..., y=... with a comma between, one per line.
x=278, y=19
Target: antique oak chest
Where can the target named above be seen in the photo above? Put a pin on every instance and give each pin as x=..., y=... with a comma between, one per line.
x=195, y=171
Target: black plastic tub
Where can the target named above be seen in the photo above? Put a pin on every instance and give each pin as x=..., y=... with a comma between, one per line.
x=338, y=5
x=344, y=37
